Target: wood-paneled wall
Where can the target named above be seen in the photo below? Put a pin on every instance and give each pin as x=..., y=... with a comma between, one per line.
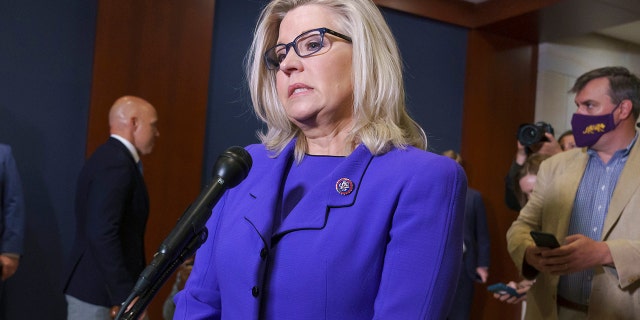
x=499, y=95
x=468, y=14
x=160, y=51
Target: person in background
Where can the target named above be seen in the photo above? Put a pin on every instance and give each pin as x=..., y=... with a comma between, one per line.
x=589, y=199
x=519, y=189
x=476, y=249
x=567, y=141
x=111, y=209
x=321, y=228
x=527, y=176
x=548, y=146
x=526, y=181
x=12, y=215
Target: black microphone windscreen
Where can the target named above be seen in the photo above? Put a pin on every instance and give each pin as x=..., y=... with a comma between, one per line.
x=233, y=166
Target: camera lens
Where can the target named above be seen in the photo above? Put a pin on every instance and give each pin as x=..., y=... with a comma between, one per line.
x=530, y=134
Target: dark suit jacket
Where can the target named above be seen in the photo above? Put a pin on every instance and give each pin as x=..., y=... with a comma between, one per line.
x=111, y=209
x=476, y=234
x=12, y=214
x=476, y=241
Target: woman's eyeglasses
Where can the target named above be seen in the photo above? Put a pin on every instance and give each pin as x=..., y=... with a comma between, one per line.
x=306, y=44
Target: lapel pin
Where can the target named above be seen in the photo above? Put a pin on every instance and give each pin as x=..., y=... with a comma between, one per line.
x=344, y=186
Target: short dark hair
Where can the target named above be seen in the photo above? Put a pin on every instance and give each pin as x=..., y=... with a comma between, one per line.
x=622, y=85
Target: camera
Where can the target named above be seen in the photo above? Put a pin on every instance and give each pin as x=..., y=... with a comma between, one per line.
x=529, y=134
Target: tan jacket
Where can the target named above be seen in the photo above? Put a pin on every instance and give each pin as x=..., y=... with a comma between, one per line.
x=615, y=291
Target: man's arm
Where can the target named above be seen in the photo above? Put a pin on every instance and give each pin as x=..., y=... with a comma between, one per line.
x=519, y=241
x=510, y=197
x=13, y=216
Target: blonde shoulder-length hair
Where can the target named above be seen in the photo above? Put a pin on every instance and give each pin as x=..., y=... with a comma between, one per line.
x=380, y=116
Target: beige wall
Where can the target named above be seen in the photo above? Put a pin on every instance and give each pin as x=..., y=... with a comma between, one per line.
x=560, y=63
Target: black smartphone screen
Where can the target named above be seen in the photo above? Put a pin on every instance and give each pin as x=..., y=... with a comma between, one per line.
x=543, y=239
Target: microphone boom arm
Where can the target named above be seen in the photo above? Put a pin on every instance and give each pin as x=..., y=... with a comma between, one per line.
x=145, y=297
x=231, y=167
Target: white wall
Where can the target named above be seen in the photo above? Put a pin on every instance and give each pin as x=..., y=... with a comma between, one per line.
x=560, y=63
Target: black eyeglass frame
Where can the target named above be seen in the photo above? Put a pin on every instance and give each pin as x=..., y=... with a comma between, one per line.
x=272, y=65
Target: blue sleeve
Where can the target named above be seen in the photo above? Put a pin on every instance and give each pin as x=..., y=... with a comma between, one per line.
x=13, y=210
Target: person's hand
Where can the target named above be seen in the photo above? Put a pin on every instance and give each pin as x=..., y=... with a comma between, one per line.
x=551, y=263
x=521, y=288
x=483, y=273
x=521, y=154
x=184, y=272
x=114, y=311
x=525, y=284
x=9, y=266
x=578, y=253
x=551, y=146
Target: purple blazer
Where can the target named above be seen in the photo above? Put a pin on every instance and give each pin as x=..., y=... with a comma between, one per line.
x=389, y=249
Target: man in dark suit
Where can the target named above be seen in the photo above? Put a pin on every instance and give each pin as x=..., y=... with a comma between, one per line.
x=476, y=250
x=111, y=209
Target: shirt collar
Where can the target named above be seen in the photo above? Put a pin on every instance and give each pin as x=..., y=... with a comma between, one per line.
x=129, y=145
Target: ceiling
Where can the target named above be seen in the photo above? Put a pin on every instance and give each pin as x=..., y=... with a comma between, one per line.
x=539, y=20
x=629, y=32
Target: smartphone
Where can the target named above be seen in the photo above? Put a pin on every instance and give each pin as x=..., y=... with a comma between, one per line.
x=543, y=239
x=501, y=288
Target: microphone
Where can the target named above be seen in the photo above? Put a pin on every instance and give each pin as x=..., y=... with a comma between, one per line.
x=231, y=167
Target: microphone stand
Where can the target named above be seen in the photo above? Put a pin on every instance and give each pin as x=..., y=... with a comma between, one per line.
x=144, y=296
x=190, y=232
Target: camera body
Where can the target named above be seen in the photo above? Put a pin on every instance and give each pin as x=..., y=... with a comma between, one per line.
x=529, y=134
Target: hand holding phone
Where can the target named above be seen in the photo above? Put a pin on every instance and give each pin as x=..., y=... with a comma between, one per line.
x=501, y=288
x=546, y=240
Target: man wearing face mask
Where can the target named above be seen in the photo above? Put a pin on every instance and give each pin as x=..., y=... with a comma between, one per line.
x=589, y=199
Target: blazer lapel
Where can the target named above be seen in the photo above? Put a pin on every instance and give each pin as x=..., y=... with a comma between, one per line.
x=261, y=198
x=312, y=211
x=624, y=190
x=134, y=169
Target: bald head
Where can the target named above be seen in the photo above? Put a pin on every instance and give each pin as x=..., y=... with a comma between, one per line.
x=134, y=119
x=123, y=109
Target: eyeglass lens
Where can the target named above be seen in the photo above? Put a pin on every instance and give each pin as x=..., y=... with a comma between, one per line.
x=304, y=45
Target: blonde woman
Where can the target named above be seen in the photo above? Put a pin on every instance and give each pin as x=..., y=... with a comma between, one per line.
x=344, y=215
